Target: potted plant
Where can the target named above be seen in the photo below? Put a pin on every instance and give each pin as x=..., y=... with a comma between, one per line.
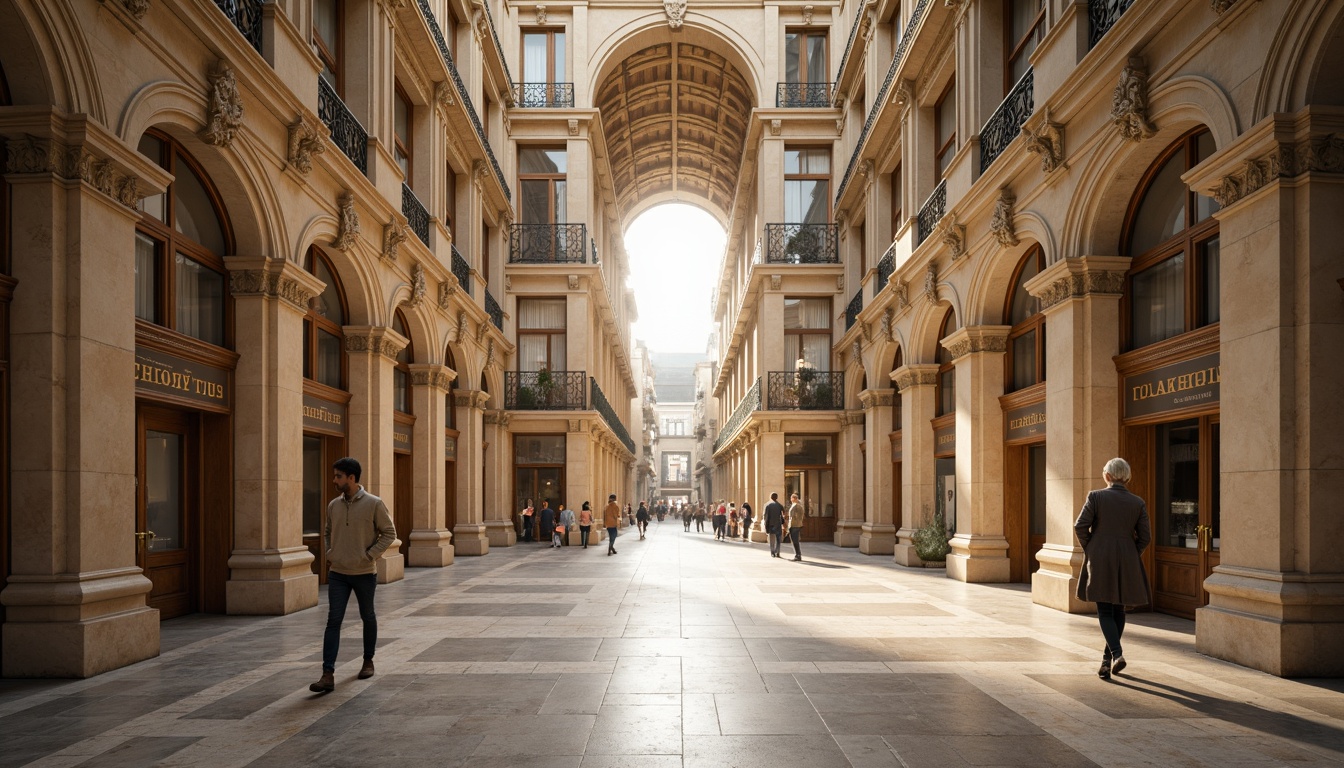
x=930, y=542
x=545, y=385
x=527, y=399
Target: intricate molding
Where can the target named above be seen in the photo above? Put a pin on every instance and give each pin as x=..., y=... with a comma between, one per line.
x=307, y=138
x=1046, y=138
x=500, y=418
x=1129, y=102
x=877, y=398
x=776, y=126
x=373, y=344
x=978, y=343
x=902, y=292
x=840, y=282
x=1220, y=6
x=849, y=418
x=573, y=282
x=137, y=8
x=807, y=15
x=347, y=231
x=573, y=126
x=1002, y=223
x=481, y=330
x=903, y=94
x=953, y=235
x=1323, y=153
x=35, y=154
x=223, y=106
x=887, y=325
x=461, y=325
x=541, y=15
x=931, y=283
x=443, y=94
x=259, y=282
x=418, y=286
x=916, y=378
x=1078, y=285
x=394, y=234
x=857, y=349
x=490, y=353
x=575, y=425
x=447, y=289
x=435, y=379
x=676, y=12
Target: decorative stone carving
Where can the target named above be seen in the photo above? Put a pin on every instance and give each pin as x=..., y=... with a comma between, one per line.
x=137, y=8
x=573, y=127
x=676, y=12
x=490, y=353
x=436, y=379
x=1220, y=6
x=807, y=15
x=931, y=283
x=375, y=345
x=347, y=231
x=1079, y=285
x=1129, y=102
x=541, y=15
x=857, y=349
x=500, y=417
x=887, y=325
x=573, y=282
x=575, y=425
x=478, y=174
x=461, y=325
x=869, y=171
x=840, y=122
x=35, y=154
x=394, y=234
x=257, y=282
x=508, y=283
x=1323, y=153
x=902, y=94
x=306, y=138
x=1045, y=138
x=902, y=295
x=840, y=282
x=418, y=286
x=1002, y=222
x=776, y=126
x=916, y=378
x=446, y=291
x=1252, y=175
x=223, y=106
x=872, y=398
x=953, y=235
x=481, y=330
x=978, y=343
x=443, y=94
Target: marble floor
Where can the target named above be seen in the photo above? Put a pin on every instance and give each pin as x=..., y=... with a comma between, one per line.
x=678, y=651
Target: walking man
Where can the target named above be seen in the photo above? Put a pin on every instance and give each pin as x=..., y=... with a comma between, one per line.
x=774, y=520
x=746, y=522
x=528, y=517
x=547, y=521
x=611, y=519
x=686, y=518
x=796, y=515
x=358, y=531
x=642, y=518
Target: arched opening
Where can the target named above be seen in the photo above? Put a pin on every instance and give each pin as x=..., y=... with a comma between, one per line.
x=403, y=428
x=1024, y=414
x=450, y=435
x=896, y=439
x=945, y=426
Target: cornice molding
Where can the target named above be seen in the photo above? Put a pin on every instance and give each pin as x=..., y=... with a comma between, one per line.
x=1079, y=277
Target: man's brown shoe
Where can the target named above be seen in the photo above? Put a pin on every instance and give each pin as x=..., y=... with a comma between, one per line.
x=325, y=685
x=366, y=671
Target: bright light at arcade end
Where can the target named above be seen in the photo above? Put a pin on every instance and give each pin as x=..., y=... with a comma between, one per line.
x=675, y=251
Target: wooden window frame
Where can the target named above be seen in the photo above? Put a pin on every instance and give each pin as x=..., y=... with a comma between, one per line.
x=551, y=178
x=807, y=33
x=1189, y=241
x=1035, y=322
x=549, y=333
x=405, y=145
x=333, y=59
x=946, y=363
x=314, y=321
x=896, y=415
x=897, y=202
x=950, y=144
x=450, y=416
x=827, y=177
x=168, y=241
x=405, y=367
x=1014, y=49
x=551, y=34
x=828, y=332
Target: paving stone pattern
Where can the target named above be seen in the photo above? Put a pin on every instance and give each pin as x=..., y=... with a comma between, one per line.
x=679, y=651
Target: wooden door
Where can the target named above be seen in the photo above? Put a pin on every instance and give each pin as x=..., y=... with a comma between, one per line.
x=167, y=517
x=816, y=491
x=319, y=453
x=402, y=501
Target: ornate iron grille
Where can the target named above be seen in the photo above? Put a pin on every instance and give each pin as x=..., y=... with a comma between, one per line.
x=749, y=403
x=853, y=35
x=604, y=408
x=594, y=244
x=463, y=94
x=461, y=270
x=416, y=215
x=885, y=269
x=548, y=243
x=348, y=135
x=802, y=244
x=853, y=308
x=545, y=390
x=803, y=95
x=544, y=95
x=499, y=49
x=1006, y=123
x=246, y=16
x=493, y=310
x=805, y=390
x=932, y=211
x=1102, y=15
x=911, y=27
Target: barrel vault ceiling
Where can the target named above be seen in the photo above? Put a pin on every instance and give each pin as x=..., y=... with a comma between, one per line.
x=675, y=116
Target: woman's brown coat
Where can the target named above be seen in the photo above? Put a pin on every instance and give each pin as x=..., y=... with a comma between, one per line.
x=1113, y=529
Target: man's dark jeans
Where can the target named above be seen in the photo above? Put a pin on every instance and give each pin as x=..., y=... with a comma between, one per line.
x=527, y=527
x=1112, y=619
x=796, y=534
x=339, y=587
x=611, y=539
x=774, y=540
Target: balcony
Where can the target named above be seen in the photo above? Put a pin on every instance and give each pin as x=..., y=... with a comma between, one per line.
x=853, y=309
x=549, y=244
x=802, y=244
x=750, y=403
x=346, y=132
x=1101, y=16
x=492, y=309
x=416, y=215
x=1006, y=123
x=246, y=16
x=805, y=390
x=608, y=414
x=932, y=211
x=803, y=94
x=885, y=269
x=545, y=390
x=544, y=95
x=461, y=270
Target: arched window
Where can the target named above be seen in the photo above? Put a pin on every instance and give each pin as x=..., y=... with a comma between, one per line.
x=947, y=372
x=180, y=244
x=1172, y=237
x=323, y=334
x=1026, y=341
x=450, y=417
x=896, y=401
x=401, y=375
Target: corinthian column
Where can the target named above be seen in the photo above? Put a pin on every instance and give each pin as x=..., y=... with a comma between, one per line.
x=879, y=530
x=470, y=533
x=430, y=541
x=918, y=387
x=373, y=358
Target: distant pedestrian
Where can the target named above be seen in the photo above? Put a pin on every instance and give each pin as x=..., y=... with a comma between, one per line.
x=746, y=522
x=1113, y=530
x=547, y=516
x=700, y=517
x=358, y=531
x=529, y=517
x=732, y=520
x=774, y=521
x=611, y=518
x=720, y=520
x=686, y=518
x=797, y=514
x=567, y=522
x=642, y=519
x=585, y=523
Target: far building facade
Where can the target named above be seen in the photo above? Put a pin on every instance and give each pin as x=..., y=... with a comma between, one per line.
x=674, y=409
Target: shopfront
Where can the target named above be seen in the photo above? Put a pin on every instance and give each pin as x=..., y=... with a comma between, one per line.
x=538, y=472
x=1024, y=480
x=325, y=401
x=809, y=471
x=945, y=430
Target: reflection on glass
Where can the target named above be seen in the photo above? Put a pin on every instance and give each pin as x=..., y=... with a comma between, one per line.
x=807, y=451
x=200, y=300
x=815, y=489
x=539, y=449
x=1024, y=360
x=146, y=277
x=1036, y=490
x=945, y=491
x=163, y=489
x=314, y=482
x=328, y=359
x=1210, y=253
x=1162, y=212
x=328, y=305
x=193, y=213
x=1177, y=507
x=947, y=392
x=1158, y=307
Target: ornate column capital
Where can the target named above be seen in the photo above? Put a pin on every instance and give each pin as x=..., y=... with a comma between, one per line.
x=476, y=398
x=498, y=418
x=1077, y=277
x=434, y=375
x=272, y=279
x=976, y=339
x=375, y=340
x=876, y=398
x=917, y=375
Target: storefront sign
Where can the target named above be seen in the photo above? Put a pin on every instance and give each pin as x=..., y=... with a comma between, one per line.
x=159, y=373
x=1025, y=424
x=401, y=438
x=449, y=448
x=897, y=447
x=945, y=441
x=1176, y=387
x=323, y=416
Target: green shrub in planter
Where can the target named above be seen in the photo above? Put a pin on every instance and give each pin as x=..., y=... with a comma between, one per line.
x=527, y=399
x=931, y=540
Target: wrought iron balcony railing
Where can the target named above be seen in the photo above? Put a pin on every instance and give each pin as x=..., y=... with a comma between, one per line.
x=1102, y=15
x=802, y=244
x=545, y=390
x=346, y=132
x=461, y=270
x=885, y=269
x=499, y=47
x=853, y=308
x=548, y=244
x=1006, y=123
x=246, y=16
x=493, y=309
x=544, y=95
x=853, y=36
x=608, y=414
x=416, y=215
x=749, y=403
x=803, y=94
x=932, y=211
x=805, y=390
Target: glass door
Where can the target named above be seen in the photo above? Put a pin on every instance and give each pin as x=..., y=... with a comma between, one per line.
x=816, y=492
x=165, y=503
x=1185, y=512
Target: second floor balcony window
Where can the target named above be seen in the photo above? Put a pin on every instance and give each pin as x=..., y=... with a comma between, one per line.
x=544, y=70
x=541, y=334
x=807, y=185
x=403, y=111
x=541, y=184
x=1023, y=32
x=945, y=129
x=807, y=334
x=327, y=40
x=805, y=57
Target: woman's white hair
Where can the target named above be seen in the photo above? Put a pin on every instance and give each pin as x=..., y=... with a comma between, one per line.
x=1118, y=469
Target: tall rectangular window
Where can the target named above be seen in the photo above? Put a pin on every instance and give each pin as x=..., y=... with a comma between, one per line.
x=544, y=56
x=807, y=334
x=402, y=112
x=945, y=129
x=449, y=197
x=541, y=183
x=807, y=185
x=327, y=41
x=805, y=57
x=897, y=202
x=541, y=334
x=1024, y=29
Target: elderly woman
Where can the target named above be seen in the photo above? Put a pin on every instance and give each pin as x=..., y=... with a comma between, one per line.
x=1113, y=529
